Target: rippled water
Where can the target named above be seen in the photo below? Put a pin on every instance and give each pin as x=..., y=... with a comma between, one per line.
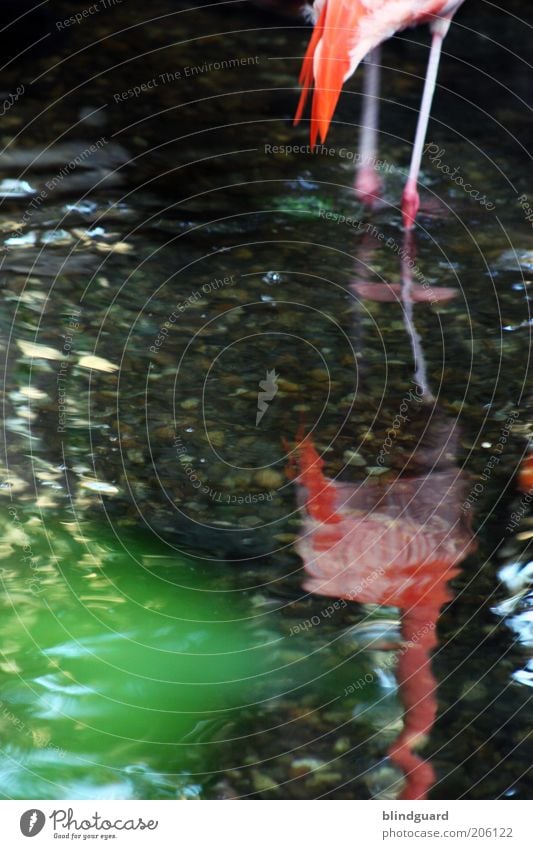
x=160, y=260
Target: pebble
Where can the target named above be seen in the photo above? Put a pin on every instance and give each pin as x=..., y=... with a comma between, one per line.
x=285, y=538
x=323, y=777
x=269, y=479
x=320, y=374
x=304, y=766
x=262, y=782
x=164, y=432
x=250, y=521
x=288, y=386
x=216, y=438
x=353, y=458
x=243, y=253
x=341, y=746
x=236, y=482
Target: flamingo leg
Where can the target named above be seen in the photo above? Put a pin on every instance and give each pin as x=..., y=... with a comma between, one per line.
x=367, y=182
x=418, y=695
x=410, y=199
x=407, y=259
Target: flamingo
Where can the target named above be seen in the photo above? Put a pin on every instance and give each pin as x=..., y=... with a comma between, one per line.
x=345, y=32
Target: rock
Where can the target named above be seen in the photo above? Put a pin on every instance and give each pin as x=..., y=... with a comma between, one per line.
x=269, y=479
x=353, y=458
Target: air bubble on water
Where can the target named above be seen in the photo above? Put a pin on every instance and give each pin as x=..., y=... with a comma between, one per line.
x=302, y=183
x=51, y=237
x=524, y=676
x=509, y=260
x=522, y=625
x=517, y=575
x=84, y=207
x=511, y=327
x=268, y=299
x=16, y=188
x=272, y=277
x=136, y=769
x=387, y=680
x=26, y=240
x=190, y=791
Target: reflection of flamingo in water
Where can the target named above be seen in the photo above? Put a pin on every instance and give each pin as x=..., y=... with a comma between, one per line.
x=406, y=293
x=393, y=543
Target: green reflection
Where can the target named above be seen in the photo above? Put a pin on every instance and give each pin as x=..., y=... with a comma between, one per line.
x=125, y=669
x=118, y=666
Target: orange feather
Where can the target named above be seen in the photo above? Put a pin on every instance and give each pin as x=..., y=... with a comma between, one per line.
x=331, y=57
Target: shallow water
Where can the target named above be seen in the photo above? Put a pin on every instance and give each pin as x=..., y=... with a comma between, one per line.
x=192, y=260
x=124, y=669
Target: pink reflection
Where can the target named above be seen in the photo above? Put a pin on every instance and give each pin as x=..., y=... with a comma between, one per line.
x=388, y=292
x=395, y=542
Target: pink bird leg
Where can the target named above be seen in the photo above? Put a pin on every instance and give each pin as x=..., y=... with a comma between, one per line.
x=410, y=198
x=345, y=32
x=367, y=181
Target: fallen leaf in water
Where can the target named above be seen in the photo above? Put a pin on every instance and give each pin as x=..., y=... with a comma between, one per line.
x=117, y=247
x=43, y=352
x=99, y=486
x=11, y=667
x=41, y=737
x=96, y=363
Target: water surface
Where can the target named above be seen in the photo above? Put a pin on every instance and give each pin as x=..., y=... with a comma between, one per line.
x=157, y=642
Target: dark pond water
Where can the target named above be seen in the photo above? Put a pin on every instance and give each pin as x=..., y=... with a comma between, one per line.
x=159, y=261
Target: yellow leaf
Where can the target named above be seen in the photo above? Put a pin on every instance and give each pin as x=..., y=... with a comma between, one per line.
x=43, y=352
x=97, y=363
